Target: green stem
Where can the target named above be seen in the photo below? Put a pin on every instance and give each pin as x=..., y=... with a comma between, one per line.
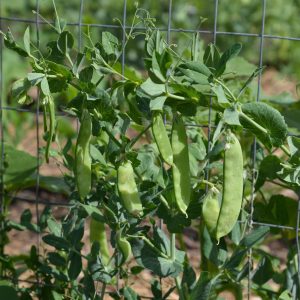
x=285, y=150
x=148, y=242
x=176, y=97
x=112, y=137
x=253, y=123
x=134, y=140
x=173, y=246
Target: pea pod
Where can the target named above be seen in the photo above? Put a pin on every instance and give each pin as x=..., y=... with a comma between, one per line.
x=161, y=138
x=211, y=210
x=83, y=161
x=128, y=189
x=124, y=248
x=181, y=166
x=232, y=187
x=98, y=234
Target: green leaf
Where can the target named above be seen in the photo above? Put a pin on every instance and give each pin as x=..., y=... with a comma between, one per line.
x=221, y=97
x=156, y=69
x=18, y=165
x=158, y=103
x=8, y=292
x=26, y=39
x=268, y=169
x=45, y=87
x=231, y=116
x=254, y=237
x=264, y=271
x=75, y=265
x=202, y=290
x=35, y=78
x=267, y=117
x=65, y=42
x=130, y=294
x=161, y=265
x=11, y=44
x=153, y=89
x=233, y=51
x=57, y=242
x=211, y=56
x=110, y=44
x=86, y=74
x=194, y=76
x=285, y=295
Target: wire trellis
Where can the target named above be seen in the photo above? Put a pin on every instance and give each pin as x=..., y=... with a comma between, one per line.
x=214, y=33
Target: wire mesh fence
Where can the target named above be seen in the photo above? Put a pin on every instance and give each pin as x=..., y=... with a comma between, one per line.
x=214, y=33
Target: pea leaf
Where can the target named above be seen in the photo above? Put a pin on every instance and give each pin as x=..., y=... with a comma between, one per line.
x=110, y=44
x=8, y=292
x=11, y=44
x=231, y=116
x=267, y=117
x=226, y=56
x=26, y=39
x=221, y=97
x=264, y=271
x=160, y=265
x=65, y=42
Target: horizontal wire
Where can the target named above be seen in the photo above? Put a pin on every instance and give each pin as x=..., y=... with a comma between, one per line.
x=210, y=32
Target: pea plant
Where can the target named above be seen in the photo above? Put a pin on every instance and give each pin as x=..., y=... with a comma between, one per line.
x=155, y=153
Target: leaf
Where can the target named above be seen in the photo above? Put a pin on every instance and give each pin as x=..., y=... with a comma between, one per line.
x=156, y=69
x=285, y=295
x=45, y=87
x=254, y=237
x=130, y=294
x=158, y=103
x=75, y=265
x=18, y=165
x=267, y=117
x=264, y=271
x=211, y=56
x=268, y=169
x=8, y=292
x=226, y=56
x=231, y=116
x=55, y=241
x=153, y=89
x=110, y=44
x=35, y=78
x=203, y=288
x=194, y=76
x=26, y=39
x=221, y=97
x=86, y=74
x=197, y=67
x=11, y=44
x=65, y=42
x=160, y=265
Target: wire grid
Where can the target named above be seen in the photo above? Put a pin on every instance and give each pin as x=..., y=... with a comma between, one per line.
x=214, y=33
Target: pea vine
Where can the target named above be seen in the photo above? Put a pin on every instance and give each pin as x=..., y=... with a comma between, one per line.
x=141, y=157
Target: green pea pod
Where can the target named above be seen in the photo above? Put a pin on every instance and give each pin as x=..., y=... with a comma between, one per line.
x=98, y=234
x=83, y=161
x=232, y=187
x=124, y=248
x=161, y=138
x=211, y=210
x=128, y=189
x=52, y=123
x=181, y=166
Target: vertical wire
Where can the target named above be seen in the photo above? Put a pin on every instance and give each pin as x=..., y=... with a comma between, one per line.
x=1, y=119
x=80, y=25
x=37, y=188
x=2, y=141
x=254, y=148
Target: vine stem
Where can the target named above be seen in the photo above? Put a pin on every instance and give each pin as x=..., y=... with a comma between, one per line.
x=103, y=291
